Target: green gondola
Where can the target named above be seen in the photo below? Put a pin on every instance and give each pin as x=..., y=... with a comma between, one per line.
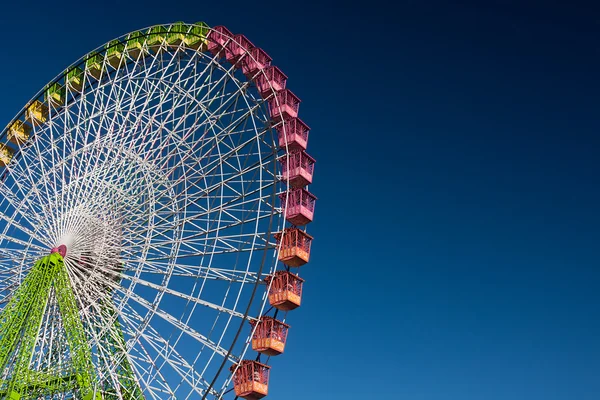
x=115, y=52
x=93, y=65
x=55, y=95
x=134, y=45
x=196, y=38
x=156, y=37
x=177, y=33
x=74, y=79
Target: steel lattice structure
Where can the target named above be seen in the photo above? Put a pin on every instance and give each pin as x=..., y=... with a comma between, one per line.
x=161, y=163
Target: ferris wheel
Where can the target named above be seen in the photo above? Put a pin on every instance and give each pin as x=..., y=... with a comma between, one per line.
x=153, y=204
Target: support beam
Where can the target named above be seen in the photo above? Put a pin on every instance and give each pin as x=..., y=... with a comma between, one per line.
x=20, y=326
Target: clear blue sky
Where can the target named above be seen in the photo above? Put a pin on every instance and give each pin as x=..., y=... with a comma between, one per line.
x=458, y=224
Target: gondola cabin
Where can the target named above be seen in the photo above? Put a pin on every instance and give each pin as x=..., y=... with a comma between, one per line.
x=256, y=60
x=196, y=38
x=285, y=291
x=269, y=336
x=134, y=45
x=19, y=132
x=176, y=34
x=37, y=113
x=74, y=79
x=294, y=248
x=218, y=41
x=6, y=155
x=293, y=134
x=155, y=39
x=271, y=79
x=115, y=53
x=251, y=379
x=238, y=48
x=94, y=65
x=299, y=205
x=297, y=168
x=55, y=95
x=284, y=105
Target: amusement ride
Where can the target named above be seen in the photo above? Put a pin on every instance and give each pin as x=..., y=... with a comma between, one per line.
x=153, y=212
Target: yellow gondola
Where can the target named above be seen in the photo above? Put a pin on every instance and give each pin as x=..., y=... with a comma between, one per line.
x=6, y=155
x=19, y=132
x=37, y=113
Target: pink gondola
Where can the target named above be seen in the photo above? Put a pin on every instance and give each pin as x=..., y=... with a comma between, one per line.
x=299, y=206
x=297, y=168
